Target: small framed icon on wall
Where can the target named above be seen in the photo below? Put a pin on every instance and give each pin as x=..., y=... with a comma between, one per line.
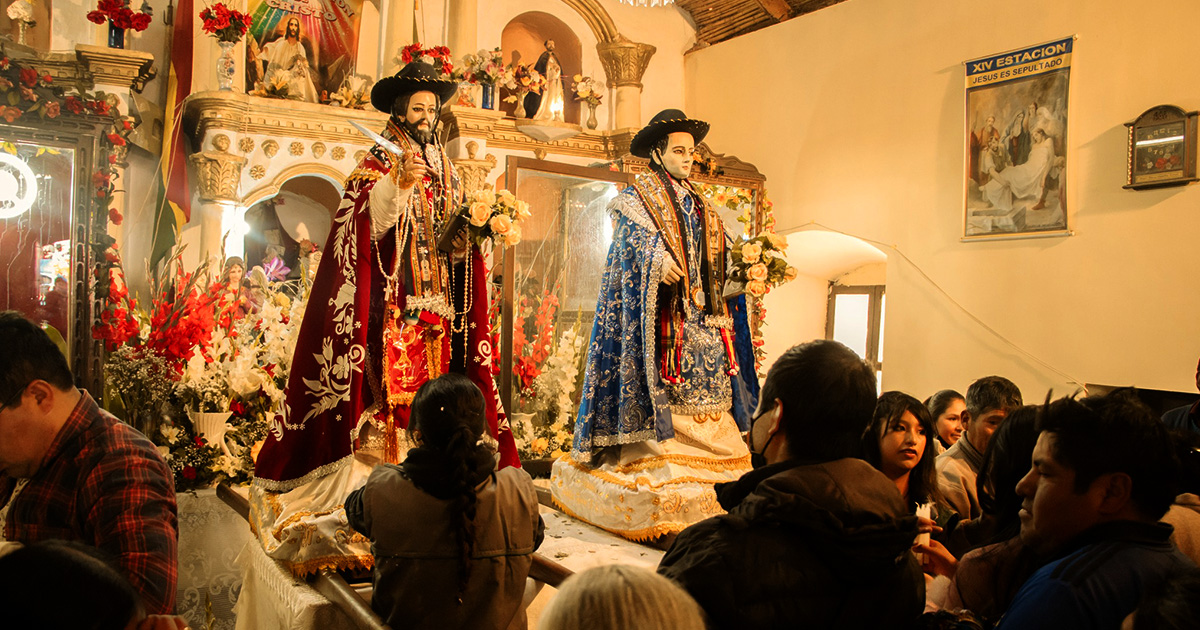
x=1162, y=148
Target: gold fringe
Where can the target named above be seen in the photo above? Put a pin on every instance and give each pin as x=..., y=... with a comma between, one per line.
x=637, y=535
x=695, y=461
x=337, y=563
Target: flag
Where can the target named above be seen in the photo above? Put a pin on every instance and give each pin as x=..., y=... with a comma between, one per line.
x=174, y=196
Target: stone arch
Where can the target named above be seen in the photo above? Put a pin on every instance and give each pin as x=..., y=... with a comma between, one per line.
x=597, y=19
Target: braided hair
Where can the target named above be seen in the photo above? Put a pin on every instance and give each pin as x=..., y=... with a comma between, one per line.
x=448, y=412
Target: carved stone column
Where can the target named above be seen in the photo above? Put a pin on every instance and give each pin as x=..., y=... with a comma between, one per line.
x=217, y=175
x=474, y=173
x=624, y=64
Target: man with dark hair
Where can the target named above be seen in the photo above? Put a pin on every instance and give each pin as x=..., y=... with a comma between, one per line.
x=989, y=400
x=816, y=537
x=1104, y=473
x=69, y=470
x=1187, y=417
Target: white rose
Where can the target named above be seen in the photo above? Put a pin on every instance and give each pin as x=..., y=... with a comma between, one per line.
x=751, y=253
x=500, y=224
x=479, y=213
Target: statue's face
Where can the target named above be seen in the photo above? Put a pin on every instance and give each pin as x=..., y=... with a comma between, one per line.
x=421, y=115
x=677, y=159
x=550, y=44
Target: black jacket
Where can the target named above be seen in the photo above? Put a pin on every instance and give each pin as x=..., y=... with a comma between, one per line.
x=804, y=546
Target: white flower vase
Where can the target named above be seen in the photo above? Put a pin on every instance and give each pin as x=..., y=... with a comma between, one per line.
x=210, y=425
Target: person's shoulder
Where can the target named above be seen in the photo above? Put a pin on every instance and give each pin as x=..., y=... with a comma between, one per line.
x=108, y=437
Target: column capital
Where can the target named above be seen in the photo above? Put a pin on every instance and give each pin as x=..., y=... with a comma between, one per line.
x=625, y=62
x=218, y=174
x=474, y=172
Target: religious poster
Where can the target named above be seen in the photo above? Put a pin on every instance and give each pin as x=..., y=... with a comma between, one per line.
x=301, y=49
x=1016, y=142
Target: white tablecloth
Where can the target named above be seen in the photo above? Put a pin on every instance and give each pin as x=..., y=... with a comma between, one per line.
x=272, y=598
x=210, y=536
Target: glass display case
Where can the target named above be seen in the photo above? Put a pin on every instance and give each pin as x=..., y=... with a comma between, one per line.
x=551, y=281
x=45, y=227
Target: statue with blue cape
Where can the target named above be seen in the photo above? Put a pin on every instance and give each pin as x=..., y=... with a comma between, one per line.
x=669, y=383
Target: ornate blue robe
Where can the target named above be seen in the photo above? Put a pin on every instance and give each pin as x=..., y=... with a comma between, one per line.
x=624, y=399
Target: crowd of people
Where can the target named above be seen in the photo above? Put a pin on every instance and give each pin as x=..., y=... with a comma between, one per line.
x=1079, y=512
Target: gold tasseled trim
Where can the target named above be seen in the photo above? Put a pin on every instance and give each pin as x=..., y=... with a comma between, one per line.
x=640, y=483
x=337, y=563
x=636, y=535
x=719, y=465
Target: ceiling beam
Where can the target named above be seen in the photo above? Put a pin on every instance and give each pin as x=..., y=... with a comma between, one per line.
x=779, y=9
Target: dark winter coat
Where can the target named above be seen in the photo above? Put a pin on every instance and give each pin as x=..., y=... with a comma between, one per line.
x=804, y=546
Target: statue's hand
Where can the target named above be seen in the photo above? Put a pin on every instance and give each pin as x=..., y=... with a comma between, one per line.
x=671, y=273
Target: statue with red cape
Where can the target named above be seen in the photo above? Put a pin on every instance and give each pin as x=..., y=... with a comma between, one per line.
x=396, y=302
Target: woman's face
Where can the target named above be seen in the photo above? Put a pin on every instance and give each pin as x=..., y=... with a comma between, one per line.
x=901, y=445
x=234, y=275
x=949, y=424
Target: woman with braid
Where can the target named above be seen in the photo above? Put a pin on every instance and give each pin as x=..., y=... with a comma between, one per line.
x=452, y=537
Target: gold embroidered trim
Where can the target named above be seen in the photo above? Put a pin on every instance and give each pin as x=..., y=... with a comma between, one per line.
x=640, y=483
x=694, y=461
x=337, y=563
x=636, y=535
x=365, y=174
x=295, y=517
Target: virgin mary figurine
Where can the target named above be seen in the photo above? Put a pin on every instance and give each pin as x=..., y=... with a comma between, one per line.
x=552, y=104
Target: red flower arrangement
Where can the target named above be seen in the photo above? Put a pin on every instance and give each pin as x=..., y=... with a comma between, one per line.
x=227, y=25
x=439, y=54
x=118, y=13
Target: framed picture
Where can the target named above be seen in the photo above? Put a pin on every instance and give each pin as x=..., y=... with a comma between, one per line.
x=1016, y=139
x=1162, y=148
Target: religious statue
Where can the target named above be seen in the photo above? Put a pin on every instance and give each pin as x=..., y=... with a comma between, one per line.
x=392, y=306
x=664, y=397
x=286, y=54
x=552, y=103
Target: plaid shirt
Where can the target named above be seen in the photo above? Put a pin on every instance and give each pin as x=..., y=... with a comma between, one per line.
x=104, y=484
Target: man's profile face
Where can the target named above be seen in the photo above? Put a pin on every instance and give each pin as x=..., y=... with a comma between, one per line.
x=980, y=430
x=1051, y=511
x=20, y=444
x=1198, y=375
x=677, y=158
x=421, y=115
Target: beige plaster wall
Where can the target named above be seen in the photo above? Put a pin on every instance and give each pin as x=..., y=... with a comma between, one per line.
x=872, y=114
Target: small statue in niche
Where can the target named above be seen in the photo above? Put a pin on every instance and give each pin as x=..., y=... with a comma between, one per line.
x=550, y=103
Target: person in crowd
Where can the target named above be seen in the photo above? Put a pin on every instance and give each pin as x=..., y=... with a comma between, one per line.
x=1186, y=417
x=986, y=579
x=1104, y=472
x=1184, y=514
x=236, y=298
x=453, y=538
x=70, y=470
x=946, y=407
x=989, y=400
x=66, y=584
x=816, y=537
x=1175, y=606
x=898, y=443
x=616, y=597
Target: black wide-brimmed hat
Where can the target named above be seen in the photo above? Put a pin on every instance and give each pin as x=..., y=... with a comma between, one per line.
x=665, y=122
x=416, y=76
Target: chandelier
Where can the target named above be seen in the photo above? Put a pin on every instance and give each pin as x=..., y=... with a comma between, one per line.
x=648, y=3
